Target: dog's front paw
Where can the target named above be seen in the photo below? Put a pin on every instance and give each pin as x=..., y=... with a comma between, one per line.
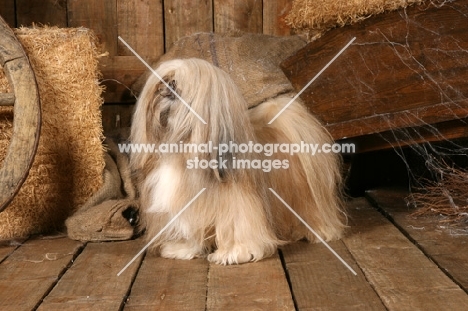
x=181, y=250
x=236, y=255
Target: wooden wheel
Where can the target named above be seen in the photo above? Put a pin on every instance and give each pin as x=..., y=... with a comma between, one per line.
x=27, y=115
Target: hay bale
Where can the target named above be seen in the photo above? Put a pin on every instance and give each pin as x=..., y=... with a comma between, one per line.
x=314, y=17
x=69, y=162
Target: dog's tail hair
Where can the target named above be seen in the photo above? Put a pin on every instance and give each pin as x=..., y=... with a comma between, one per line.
x=321, y=171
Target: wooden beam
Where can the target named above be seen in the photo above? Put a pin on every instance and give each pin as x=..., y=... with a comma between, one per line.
x=408, y=136
x=406, y=68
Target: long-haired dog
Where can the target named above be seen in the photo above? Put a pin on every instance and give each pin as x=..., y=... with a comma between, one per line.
x=237, y=219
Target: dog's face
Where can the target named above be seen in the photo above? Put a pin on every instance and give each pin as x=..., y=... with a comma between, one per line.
x=208, y=107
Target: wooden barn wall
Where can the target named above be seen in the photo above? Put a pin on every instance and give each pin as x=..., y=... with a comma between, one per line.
x=149, y=26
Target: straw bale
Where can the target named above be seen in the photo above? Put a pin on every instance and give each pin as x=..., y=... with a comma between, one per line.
x=314, y=17
x=68, y=166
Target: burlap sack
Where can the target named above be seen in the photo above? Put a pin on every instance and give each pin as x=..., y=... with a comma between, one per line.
x=252, y=60
x=112, y=212
x=111, y=220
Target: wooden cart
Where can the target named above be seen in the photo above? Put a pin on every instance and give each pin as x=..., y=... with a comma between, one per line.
x=27, y=115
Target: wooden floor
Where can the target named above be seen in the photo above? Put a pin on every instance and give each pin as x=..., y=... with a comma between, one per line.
x=401, y=264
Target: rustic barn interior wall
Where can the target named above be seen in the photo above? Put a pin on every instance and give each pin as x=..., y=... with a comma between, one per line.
x=149, y=26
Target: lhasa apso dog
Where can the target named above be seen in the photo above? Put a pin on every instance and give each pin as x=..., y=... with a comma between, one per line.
x=237, y=219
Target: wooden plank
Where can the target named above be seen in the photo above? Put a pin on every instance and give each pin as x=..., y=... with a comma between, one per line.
x=47, y=12
x=166, y=284
x=403, y=277
x=5, y=250
x=405, y=68
x=100, y=16
x=274, y=17
x=320, y=281
x=141, y=26
x=186, y=17
x=238, y=15
x=92, y=283
x=29, y=273
x=254, y=286
x=8, y=247
x=7, y=11
x=447, y=130
x=441, y=243
x=436, y=113
x=119, y=73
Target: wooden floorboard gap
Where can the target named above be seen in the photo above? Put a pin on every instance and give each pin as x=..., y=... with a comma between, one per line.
x=10, y=248
x=288, y=278
x=361, y=271
x=129, y=291
x=207, y=287
x=61, y=274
